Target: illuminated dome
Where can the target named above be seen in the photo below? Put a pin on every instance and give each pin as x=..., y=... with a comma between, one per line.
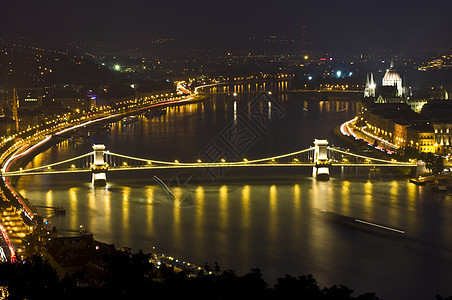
x=391, y=78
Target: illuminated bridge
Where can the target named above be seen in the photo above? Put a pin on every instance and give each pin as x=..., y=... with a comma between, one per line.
x=319, y=157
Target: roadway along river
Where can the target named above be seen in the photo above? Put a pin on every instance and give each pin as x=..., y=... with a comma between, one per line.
x=283, y=223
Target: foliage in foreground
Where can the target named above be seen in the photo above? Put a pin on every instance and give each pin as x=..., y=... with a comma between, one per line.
x=134, y=277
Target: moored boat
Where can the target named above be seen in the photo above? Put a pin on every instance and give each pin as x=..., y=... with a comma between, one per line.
x=439, y=188
x=129, y=119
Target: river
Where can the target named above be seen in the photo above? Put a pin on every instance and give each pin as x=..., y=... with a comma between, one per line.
x=281, y=221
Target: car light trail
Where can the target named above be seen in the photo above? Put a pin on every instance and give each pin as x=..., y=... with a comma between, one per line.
x=10, y=247
x=380, y=226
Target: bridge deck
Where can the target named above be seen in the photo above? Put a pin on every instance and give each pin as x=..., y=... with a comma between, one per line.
x=120, y=162
x=202, y=165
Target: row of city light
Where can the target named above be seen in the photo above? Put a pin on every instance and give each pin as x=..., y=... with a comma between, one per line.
x=199, y=161
x=66, y=117
x=60, y=122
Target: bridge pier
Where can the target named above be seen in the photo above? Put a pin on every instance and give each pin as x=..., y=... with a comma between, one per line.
x=99, y=168
x=321, y=170
x=420, y=168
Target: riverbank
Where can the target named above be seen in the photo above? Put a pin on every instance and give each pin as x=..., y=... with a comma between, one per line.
x=21, y=151
x=280, y=228
x=361, y=146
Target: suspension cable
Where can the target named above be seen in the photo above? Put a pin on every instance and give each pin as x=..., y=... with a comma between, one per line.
x=50, y=165
x=366, y=157
x=228, y=163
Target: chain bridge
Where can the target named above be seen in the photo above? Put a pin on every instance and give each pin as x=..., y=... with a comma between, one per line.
x=320, y=157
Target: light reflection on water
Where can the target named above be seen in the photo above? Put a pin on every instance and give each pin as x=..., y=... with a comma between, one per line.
x=291, y=228
x=295, y=226
x=367, y=200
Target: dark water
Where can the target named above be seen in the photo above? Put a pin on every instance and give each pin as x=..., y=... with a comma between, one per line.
x=284, y=223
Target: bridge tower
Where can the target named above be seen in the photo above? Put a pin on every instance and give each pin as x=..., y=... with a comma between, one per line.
x=99, y=167
x=321, y=169
x=420, y=168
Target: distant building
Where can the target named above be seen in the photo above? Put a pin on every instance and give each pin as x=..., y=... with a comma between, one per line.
x=76, y=253
x=369, y=91
x=391, y=89
x=30, y=99
x=443, y=136
x=390, y=121
x=421, y=137
x=71, y=100
x=440, y=114
x=393, y=79
x=7, y=126
x=429, y=132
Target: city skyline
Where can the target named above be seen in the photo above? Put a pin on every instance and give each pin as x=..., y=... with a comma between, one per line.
x=305, y=138
x=331, y=26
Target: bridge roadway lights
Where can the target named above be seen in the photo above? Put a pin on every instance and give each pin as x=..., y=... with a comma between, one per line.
x=99, y=168
x=321, y=170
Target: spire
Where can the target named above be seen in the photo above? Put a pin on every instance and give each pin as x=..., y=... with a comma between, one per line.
x=15, y=108
x=369, y=91
x=15, y=104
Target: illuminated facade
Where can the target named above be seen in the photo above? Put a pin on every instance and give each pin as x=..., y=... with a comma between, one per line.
x=369, y=91
x=390, y=91
x=427, y=142
x=422, y=138
x=400, y=126
x=392, y=78
x=443, y=137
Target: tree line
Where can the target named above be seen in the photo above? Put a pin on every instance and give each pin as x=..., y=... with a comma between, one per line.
x=134, y=276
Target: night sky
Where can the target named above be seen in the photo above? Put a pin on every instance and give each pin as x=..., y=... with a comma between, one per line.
x=331, y=25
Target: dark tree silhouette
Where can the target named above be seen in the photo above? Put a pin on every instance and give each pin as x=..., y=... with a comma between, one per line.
x=434, y=163
x=132, y=276
x=304, y=286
